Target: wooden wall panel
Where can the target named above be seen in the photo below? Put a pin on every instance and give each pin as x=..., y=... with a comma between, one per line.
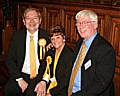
x=69, y=24
x=53, y=17
x=64, y=14
x=115, y=41
x=54, y=13
x=115, y=33
x=1, y=27
x=101, y=23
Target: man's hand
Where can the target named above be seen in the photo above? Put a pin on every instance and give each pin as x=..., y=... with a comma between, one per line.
x=23, y=85
x=40, y=88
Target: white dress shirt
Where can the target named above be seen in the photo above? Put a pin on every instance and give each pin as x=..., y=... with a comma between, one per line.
x=26, y=65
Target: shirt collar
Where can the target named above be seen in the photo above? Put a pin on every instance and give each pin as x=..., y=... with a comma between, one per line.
x=34, y=34
x=89, y=41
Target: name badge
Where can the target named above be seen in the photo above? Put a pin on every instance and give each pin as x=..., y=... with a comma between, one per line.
x=87, y=64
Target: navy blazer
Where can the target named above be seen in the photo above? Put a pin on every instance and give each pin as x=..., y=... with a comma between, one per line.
x=97, y=79
x=16, y=53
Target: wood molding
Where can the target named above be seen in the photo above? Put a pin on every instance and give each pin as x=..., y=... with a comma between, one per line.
x=63, y=13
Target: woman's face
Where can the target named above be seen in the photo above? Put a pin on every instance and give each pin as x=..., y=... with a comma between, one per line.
x=32, y=21
x=57, y=41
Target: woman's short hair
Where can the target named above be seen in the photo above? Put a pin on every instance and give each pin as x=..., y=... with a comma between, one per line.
x=57, y=30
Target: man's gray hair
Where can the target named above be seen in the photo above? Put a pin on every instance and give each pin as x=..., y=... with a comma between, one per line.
x=89, y=13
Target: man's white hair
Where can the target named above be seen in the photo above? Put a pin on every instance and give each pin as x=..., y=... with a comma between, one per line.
x=89, y=13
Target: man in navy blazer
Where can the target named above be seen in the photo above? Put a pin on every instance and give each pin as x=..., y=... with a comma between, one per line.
x=95, y=75
x=18, y=59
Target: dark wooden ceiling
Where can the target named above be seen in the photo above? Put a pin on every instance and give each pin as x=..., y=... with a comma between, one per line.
x=99, y=2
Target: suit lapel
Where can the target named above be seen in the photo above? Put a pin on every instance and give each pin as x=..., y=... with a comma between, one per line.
x=38, y=48
x=91, y=50
x=23, y=44
x=52, y=54
x=79, y=43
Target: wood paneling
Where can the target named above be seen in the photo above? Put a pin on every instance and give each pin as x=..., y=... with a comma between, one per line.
x=63, y=13
x=1, y=27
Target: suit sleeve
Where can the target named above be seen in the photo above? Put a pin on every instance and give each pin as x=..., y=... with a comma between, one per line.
x=11, y=60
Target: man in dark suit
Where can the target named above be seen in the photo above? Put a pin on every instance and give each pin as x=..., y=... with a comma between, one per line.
x=59, y=64
x=18, y=59
x=95, y=73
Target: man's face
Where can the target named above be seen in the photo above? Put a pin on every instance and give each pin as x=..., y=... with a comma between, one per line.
x=32, y=21
x=86, y=27
x=58, y=41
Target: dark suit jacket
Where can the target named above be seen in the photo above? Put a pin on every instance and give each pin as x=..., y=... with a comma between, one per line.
x=16, y=54
x=63, y=70
x=97, y=80
x=3, y=74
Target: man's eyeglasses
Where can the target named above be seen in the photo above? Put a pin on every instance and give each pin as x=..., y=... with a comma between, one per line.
x=33, y=18
x=84, y=23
